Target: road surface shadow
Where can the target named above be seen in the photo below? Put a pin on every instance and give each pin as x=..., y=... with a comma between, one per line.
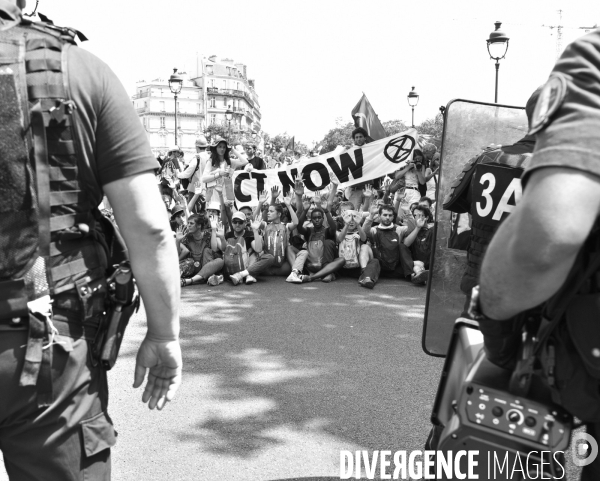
x=319, y=358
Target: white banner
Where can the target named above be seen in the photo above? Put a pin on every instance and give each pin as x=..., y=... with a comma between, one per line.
x=356, y=165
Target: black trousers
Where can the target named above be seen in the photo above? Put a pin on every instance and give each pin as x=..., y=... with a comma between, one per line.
x=69, y=440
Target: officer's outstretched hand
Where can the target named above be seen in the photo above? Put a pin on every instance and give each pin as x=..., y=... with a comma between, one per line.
x=163, y=358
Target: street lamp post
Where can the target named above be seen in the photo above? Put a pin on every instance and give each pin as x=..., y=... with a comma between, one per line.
x=229, y=116
x=413, y=100
x=497, y=46
x=175, y=85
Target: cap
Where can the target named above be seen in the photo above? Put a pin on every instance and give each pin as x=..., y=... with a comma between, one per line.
x=239, y=215
x=214, y=206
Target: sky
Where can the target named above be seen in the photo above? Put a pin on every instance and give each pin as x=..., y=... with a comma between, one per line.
x=312, y=59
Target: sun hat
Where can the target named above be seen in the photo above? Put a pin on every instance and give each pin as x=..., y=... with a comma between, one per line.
x=177, y=209
x=217, y=141
x=201, y=141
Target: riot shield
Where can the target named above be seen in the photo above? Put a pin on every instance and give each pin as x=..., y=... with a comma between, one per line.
x=469, y=127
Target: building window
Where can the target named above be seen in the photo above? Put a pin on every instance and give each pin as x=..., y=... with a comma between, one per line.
x=213, y=103
x=199, y=108
x=209, y=69
x=228, y=70
x=162, y=106
x=162, y=122
x=213, y=119
x=237, y=85
x=163, y=140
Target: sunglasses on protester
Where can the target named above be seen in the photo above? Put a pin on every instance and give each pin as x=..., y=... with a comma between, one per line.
x=237, y=221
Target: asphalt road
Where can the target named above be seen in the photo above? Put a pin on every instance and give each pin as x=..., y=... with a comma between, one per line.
x=278, y=379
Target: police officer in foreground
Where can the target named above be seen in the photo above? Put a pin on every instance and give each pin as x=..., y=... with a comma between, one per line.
x=68, y=133
x=483, y=189
x=546, y=252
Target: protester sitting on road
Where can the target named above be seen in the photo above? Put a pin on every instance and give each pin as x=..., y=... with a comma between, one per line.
x=276, y=237
x=196, y=244
x=393, y=258
x=352, y=246
x=427, y=202
x=420, y=241
x=319, y=258
x=237, y=245
x=177, y=217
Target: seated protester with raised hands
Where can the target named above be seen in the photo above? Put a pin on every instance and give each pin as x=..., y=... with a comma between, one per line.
x=236, y=246
x=319, y=258
x=353, y=248
x=392, y=256
x=276, y=237
x=196, y=244
x=419, y=241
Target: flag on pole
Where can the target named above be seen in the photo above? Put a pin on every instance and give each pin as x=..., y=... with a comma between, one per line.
x=364, y=116
x=291, y=142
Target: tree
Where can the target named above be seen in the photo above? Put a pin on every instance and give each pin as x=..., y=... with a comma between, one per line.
x=340, y=135
x=284, y=141
x=394, y=126
x=433, y=127
x=222, y=131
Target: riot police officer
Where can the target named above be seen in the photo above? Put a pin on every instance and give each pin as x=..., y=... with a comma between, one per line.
x=546, y=252
x=485, y=188
x=68, y=134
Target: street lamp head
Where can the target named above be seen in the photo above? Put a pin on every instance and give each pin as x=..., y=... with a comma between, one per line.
x=175, y=82
x=229, y=115
x=413, y=98
x=497, y=44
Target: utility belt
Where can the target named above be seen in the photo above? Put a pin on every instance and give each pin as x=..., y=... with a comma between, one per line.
x=98, y=312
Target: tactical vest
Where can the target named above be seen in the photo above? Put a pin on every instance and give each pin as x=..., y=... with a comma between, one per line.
x=48, y=241
x=487, y=179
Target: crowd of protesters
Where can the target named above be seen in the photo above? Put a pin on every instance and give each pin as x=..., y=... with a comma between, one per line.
x=378, y=229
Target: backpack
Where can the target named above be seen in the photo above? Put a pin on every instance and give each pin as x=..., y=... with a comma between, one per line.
x=349, y=250
x=316, y=247
x=387, y=248
x=276, y=242
x=186, y=182
x=235, y=256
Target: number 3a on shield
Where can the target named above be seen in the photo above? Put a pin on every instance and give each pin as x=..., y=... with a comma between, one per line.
x=485, y=208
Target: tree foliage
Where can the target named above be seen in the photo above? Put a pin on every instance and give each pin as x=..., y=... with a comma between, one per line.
x=341, y=134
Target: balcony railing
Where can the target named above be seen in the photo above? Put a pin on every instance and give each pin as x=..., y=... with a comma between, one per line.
x=141, y=95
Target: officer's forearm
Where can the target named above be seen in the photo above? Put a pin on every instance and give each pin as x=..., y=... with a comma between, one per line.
x=154, y=261
x=512, y=278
